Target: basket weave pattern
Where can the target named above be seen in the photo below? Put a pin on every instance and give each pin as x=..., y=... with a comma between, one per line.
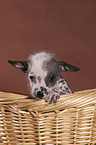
x=26, y=121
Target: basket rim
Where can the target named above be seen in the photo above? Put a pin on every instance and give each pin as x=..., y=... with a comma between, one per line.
x=77, y=99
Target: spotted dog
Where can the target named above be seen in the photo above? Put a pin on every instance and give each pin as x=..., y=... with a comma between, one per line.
x=44, y=76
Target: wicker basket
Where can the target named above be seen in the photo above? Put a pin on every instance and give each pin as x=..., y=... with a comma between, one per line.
x=26, y=121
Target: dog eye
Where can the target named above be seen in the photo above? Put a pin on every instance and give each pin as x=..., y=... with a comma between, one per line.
x=51, y=78
x=32, y=77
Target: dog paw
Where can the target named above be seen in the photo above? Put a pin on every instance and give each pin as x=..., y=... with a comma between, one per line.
x=53, y=98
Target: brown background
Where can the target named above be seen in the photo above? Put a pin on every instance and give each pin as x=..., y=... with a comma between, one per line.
x=64, y=27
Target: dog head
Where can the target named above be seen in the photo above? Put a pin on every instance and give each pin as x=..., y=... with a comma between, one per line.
x=43, y=72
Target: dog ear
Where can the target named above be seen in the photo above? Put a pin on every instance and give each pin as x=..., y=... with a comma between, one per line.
x=63, y=66
x=23, y=65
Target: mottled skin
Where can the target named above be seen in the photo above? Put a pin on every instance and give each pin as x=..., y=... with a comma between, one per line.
x=61, y=87
x=44, y=76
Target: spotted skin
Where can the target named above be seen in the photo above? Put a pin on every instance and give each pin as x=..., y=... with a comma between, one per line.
x=60, y=88
x=39, y=79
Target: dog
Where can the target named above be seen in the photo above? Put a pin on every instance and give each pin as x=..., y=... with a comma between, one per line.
x=44, y=76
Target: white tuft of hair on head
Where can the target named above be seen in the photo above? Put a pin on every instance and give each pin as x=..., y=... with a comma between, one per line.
x=37, y=62
x=41, y=56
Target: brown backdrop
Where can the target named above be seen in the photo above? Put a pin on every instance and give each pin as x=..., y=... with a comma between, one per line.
x=64, y=27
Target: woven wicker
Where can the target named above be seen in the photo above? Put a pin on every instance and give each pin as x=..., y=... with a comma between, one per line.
x=26, y=121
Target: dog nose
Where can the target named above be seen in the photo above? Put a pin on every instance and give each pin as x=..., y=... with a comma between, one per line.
x=40, y=94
